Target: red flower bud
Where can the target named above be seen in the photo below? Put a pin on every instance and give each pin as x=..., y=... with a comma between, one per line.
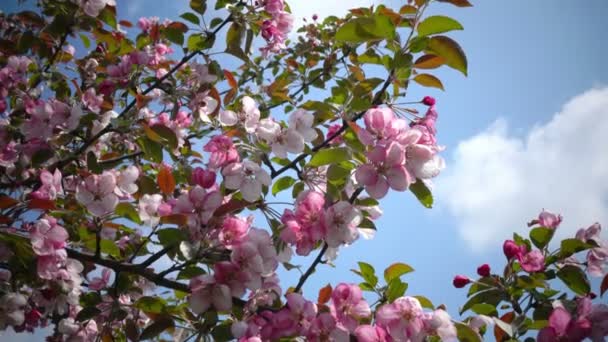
x=429, y=101
x=315, y=17
x=511, y=249
x=202, y=177
x=484, y=270
x=460, y=281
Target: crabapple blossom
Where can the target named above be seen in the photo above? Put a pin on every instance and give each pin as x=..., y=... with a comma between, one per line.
x=385, y=169
x=248, y=117
x=207, y=293
x=92, y=101
x=280, y=139
x=51, y=185
x=203, y=178
x=97, y=193
x=222, y=152
x=532, y=261
x=341, y=222
x=99, y=283
x=248, y=177
x=148, y=209
x=461, y=281
x=348, y=306
x=12, y=309
x=402, y=319
x=306, y=226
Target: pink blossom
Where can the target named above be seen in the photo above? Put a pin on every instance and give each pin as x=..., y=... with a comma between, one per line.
x=306, y=226
x=599, y=322
x=512, y=250
x=561, y=324
x=549, y=220
x=222, y=152
x=296, y=318
x=439, y=323
x=145, y=24
x=234, y=229
x=92, y=101
x=96, y=193
x=302, y=121
x=204, y=105
x=94, y=7
x=125, y=181
x=325, y=328
x=148, y=209
x=333, y=130
x=281, y=140
x=248, y=117
x=248, y=177
x=51, y=185
x=199, y=204
x=370, y=333
x=381, y=126
x=206, y=293
x=230, y=274
x=99, y=283
x=402, y=319
x=533, y=261
x=341, y=222
x=386, y=169
x=348, y=305
x=12, y=306
x=202, y=177
x=47, y=236
x=273, y=6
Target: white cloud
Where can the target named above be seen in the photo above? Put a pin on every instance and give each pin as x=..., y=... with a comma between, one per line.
x=497, y=181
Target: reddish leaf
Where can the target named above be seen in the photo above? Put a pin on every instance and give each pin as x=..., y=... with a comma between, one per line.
x=5, y=220
x=176, y=25
x=166, y=182
x=7, y=202
x=125, y=23
x=604, y=285
x=459, y=3
x=177, y=219
x=499, y=334
x=324, y=294
x=429, y=62
x=230, y=78
x=42, y=204
x=231, y=206
x=428, y=80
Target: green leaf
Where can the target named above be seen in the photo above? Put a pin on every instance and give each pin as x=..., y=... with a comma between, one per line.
x=368, y=273
x=484, y=309
x=168, y=136
x=437, y=24
x=466, y=334
x=425, y=302
x=222, y=333
x=191, y=17
x=92, y=163
x=87, y=313
x=281, y=184
x=575, y=279
x=422, y=193
x=234, y=40
x=153, y=151
x=429, y=80
x=329, y=156
x=360, y=30
x=396, y=288
x=450, y=50
x=109, y=247
x=504, y=326
x=150, y=304
x=157, y=327
x=396, y=270
x=126, y=210
x=170, y=236
x=174, y=35
x=541, y=236
x=572, y=246
x=492, y=297
x=190, y=272
x=199, y=6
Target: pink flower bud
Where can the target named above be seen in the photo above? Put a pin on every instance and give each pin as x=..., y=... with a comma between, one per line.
x=429, y=100
x=202, y=177
x=461, y=281
x=484, y=270
x=511, y=249
x=164, y=209
x=315, y=17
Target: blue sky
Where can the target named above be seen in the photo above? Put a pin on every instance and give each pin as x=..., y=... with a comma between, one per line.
x=525, y=131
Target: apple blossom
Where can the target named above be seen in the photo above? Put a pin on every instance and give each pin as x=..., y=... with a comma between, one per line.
x=96, y=193
x=248, y=177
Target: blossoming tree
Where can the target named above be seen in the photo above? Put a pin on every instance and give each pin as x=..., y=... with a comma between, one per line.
x=131, y=169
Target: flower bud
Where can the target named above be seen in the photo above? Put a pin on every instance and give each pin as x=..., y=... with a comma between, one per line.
x=429, y=101
x=511, y=249
x=460, y=281
x=202, y=177
x=484, y=270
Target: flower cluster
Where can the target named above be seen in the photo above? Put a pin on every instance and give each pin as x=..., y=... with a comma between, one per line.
x=276, y=29
x=312, y=222
x=399, y=154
